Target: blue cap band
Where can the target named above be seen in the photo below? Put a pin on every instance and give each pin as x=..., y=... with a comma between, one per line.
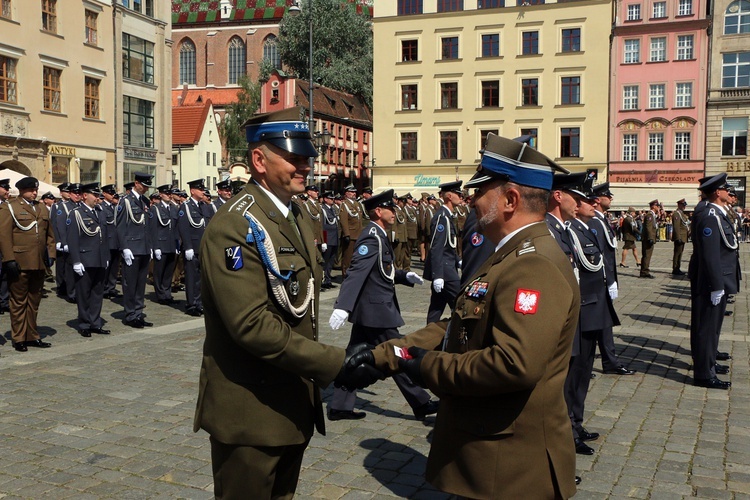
x=525, y=174
x=277, y=130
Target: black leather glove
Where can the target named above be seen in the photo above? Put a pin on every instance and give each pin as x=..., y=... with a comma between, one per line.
x=650, y=242
x=358, y=370
x=12, y=269
x=345, y=240
x=679, y=242
x=412, y=366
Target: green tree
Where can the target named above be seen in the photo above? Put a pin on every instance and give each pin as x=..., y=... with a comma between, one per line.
x=237, y=113
x=342, y=46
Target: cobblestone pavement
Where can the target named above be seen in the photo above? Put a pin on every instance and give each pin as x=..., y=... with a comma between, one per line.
x=111, y=416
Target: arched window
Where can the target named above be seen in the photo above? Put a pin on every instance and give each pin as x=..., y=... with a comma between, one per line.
x=737, y=18
x=187, y=62
x=237, y=59
x=270, y=52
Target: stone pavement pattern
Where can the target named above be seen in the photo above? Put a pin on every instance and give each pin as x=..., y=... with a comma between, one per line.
x=111, y=416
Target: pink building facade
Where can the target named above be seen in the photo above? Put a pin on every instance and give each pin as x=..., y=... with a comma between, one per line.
x=657, y=101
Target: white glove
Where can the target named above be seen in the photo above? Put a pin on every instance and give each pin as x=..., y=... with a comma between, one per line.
x=79, y=269
x=323, y=247
x=58, y=246
x=414, y=278
x=438, y=284
x=151, y=253
x=128, y=256
x=460, y=263
x=157, y=254
x=65, y=249
x=338, y=318
x=716, y=297
x=613, y=291
x=189, y=254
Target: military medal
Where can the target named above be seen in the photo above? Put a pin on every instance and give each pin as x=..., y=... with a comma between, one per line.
x=294, y=288
x=463, y=336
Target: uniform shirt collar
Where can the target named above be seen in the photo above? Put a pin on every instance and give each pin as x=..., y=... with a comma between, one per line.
x=720, y=208
x=507, y=237
x=284, y=209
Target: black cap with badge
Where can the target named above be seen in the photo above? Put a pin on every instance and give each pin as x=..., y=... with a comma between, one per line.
x=27, y=183
x=109, y=189
x=284, y=129
x=603, y=190
x=48, y=196
x=92, y=188
x=225, y=184
x=144, y=178
x=451, y=187
x=197, y=184
x=5, y=184
x=164, y=189
x=383, y=200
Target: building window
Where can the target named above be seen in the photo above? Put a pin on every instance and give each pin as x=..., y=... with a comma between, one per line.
x=682, y=146
x=634, y=12
x=409, y=96
x=530, y=42
x=49, y=15
x=526, y=3
x=450, y=5
x=92, y=98
x=684, y=95
x=656, y=93
x=656, y=147
x=91, y=29
x=570, y=142
x=90, y=170
x=735, y=70
x=632, y=51
x=5, y=10
x=449, y=145
x=409, y=50
x=52, y=89
x=532, y=134
x=138, y=122
x=737, y=18
x=449, y=95
x=8, y=80
x=483, y=136
x=630, y=97
x=449, y=47
x=734, y=136
x=408, y=145
x=684, y=47
x=491, y=94
x=208, y=159
x=270, y=53
x=409, y=7
x=187, y=62
x=530, y=92
x=685, y=8
x=143, y=6
x=571, y=40
x=138, y=59
x=490, y=4
x=491, y=45
x=571, y=90
x=658, y=51
x=660, y=10
x=238, y=58
x=629, y=147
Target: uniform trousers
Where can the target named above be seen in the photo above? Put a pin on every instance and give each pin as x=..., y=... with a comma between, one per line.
x=193, y=282
x=329, y=257
x=606, y=343
x=414, y=395
x=398, y=254
x=61, y=263
x=110, y=278
x=134, y=286
x=579, y=378
x=347, y=249
x=70, y=279
x=4, y=292
x=438, y=300
x=25, y=297
x=677, y=256
x=163, y=271
x=705, y=327
x=646, y=250
x=259, y=472
x=89, y=297
x=179, y=268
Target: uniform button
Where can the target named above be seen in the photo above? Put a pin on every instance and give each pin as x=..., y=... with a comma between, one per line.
x=292, y=266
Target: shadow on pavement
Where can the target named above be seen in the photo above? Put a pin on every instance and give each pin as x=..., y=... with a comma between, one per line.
x=651, y=356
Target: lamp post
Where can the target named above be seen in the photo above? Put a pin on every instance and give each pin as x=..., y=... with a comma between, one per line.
x=322, y=140
x=294, y=11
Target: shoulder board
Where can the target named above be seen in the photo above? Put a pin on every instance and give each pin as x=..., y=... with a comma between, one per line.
x=242, y=204
x=373, y=231
x=526, y=247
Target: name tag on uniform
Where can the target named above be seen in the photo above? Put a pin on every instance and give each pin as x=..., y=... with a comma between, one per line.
x=286, y=250
x=477, y=289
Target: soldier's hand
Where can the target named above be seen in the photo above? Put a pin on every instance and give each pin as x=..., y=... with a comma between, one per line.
x=438, y=285
x=716, y=297
x=157, y=254
x=323, y=247
x=413, y=365
x=12, y=269
x=189, y=254
x=651, y=242
x=613, y=292
x=65, y=249
x=679, y=242
x=58, y=246
x=358, y=370
x=338, y=318
x=345, y=240
x=128, y=256
x=414, y=278
x=79, y=269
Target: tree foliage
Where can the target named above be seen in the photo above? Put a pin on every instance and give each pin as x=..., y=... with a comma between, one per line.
x=342, y=46
x=237, y=113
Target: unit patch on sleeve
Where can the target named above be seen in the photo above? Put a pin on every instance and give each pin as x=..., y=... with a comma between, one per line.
x=362, y=250
x=527, y=301
x=233, y=258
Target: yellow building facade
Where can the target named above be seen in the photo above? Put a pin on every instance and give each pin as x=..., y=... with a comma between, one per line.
x=443, y=80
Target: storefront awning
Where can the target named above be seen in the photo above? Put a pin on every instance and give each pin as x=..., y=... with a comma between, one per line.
x=638, y=196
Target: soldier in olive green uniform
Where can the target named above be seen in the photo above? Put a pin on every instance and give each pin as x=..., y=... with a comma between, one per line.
x=680, y=233
x=649, y=238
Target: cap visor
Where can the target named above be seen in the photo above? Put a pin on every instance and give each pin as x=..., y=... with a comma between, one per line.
x=478, y=179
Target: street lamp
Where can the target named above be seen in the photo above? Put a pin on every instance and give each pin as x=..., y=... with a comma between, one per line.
x=294, y=11
x=322, y=141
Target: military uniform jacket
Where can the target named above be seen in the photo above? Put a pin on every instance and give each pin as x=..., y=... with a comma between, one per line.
x=427, y=214
x=461, y=212
x=62, y=210
x=412, y=222
x=163, y=229
x=314, y=211
x=442, y=259
x=262, y=366
x=399, y=230
x=26, y=234
x=330, y=225
x=368, y=293
x=109, y=211
x=607, y=240
x=87, y=237
x=629, y=228
x=680, y=226
x=502, y=414
x=350, y=216
x=649, y=226
x=191, y=224
x=715, y=250
x=132, y=224
x=213, y=207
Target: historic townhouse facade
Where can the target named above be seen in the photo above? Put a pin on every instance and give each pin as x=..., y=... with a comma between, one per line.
x=658, y=86
x=450, y=72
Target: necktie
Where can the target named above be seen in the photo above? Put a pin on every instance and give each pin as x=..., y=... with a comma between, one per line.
x=293, y=223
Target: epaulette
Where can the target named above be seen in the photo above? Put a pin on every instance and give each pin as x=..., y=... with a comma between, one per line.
x=526, y=247
x=242, y=204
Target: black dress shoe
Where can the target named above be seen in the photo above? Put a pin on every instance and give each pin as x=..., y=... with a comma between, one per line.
x=712, y=383
x=135, y=323
x=585, y=435
x=582, y=448
x=621, y=265
x=721, y=369
x=37, y=343
x=100, y=331
x=620, y=370
x=194, y=311
x=647, y=276
x=85, y=332
x=578, y=480
x=429, y=408
x=727, y=313
x=730, y=299
x=723, y=356
x=345, y=414
x=677, y=272
x=20, y=347
x=593, y=376
x=145, y=323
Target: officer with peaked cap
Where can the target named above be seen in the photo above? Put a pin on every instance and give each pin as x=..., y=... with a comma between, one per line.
x=224, y=190
x=262, y=366
x=426, y=213
x=27, y=245
x=331, y=230
x=71, y=196
x=109, y=209
x=680, y=235
x=512, y=327
x=441, y=264
x=352, y=221
x=164, y=236
x=648, y=240
x=314, y=211
x=89, y=254
x=135, y=245
x=714, y=275
x=192, y=224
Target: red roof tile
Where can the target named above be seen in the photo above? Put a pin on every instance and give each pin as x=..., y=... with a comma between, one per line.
x=220, y=97
x=335, y=103
x=188, y=122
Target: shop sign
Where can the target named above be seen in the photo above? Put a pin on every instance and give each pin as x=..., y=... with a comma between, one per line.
x=140, y=154
x=652, y=177
x=738, y=166
x=426, y=181
x=62, y=150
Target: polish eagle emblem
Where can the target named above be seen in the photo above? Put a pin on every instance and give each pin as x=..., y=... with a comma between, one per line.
x=526, y=301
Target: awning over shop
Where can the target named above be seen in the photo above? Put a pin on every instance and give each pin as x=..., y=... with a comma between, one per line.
x=14, y=177
x=638, y=196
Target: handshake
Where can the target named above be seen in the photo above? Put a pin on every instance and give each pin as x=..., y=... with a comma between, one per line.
x=358, y=370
